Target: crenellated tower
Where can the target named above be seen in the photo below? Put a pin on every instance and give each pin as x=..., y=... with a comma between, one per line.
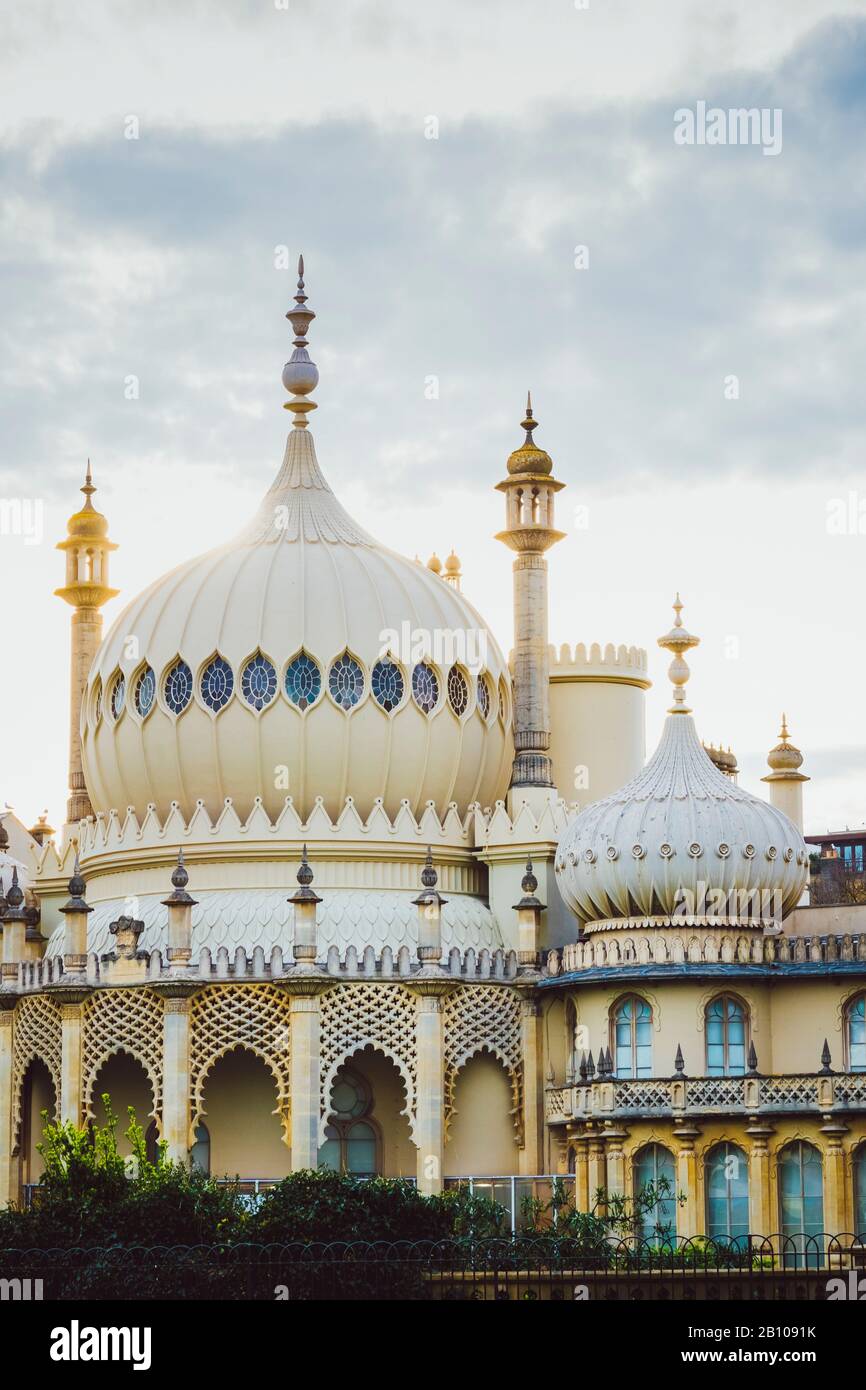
x=529, y=490
x=86, y=590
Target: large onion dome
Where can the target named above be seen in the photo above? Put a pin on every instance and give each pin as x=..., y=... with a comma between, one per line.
x=682, y=841
x=302, y=659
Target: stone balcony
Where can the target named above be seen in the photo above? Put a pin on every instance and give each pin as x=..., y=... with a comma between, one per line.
x=817, y=1094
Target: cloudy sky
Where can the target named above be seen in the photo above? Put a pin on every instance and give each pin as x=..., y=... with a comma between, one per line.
x=697, y=368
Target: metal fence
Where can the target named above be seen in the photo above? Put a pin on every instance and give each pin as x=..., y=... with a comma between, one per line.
x=551, y=1267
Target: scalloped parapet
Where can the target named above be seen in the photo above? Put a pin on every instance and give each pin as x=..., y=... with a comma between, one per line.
x=596, y=663
x=709, y=949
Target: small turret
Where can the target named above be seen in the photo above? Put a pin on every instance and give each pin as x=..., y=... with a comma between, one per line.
x=785, y=778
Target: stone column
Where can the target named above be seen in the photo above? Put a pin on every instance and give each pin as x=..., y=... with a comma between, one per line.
x=596, y=1170
x=72, y=1056
x=305, y=1070
x=430, y=1097
x=689, y=1221
x=176, y=1116
x=615, y=1138
x=835, y=1184
x=8, y=1179
x=581, y=1173
x=762, y=1220
x=530, y=1158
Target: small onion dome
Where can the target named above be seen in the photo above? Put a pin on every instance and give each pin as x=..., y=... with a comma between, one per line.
x=304, y=893
x=179, y=880
x=722, y=758
x=42, y=831
x=529, y=458
x=452, y=565
x=434, y=563
x=681, y=842
x=77, y=886
x=429, y=894
x=785, y=757
x=88, y=524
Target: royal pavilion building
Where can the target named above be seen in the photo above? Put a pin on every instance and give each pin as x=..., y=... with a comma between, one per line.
x=332, y=889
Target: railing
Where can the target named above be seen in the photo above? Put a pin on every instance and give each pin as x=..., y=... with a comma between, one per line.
x=556, y=1268
x=701, y=1095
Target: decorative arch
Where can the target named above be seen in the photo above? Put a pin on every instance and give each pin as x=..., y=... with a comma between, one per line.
x=255, y=1018
x=136, y=1016
x=484, y=1018
x=37, y=1037
x=354, y=1017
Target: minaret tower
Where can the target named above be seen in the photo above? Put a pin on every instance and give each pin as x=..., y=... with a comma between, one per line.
x=529, y=530
x=86, y=589
x=785, y=778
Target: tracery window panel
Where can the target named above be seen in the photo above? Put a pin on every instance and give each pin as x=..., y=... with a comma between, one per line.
x=458, y=691
x=177, y=687
x=482, y=695
x=217, y=683
x=346, y=681
x=857, y=1034
x=386, y=683
x=727, y=1185
x=725, y=1022
x=303, y=681
x=351, y=1143
x=801, y=1200
x=258, y=681
x=425, y=687
x=633, y=1028
x=118, y=696
x=145, y=691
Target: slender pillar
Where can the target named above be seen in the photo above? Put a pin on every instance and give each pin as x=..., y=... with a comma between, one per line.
x=176, y=1117
x=615, y=1139
x=688, y=1213
x=86, y=589
x=581, y=1174
x=430, y=1098
x=596, y=1171
x=529, y=490
x=71, y=1057
x=305, y=1072
x=835, y=1184
x=530, y=1158
x=8, y=1178
x=762, y=1221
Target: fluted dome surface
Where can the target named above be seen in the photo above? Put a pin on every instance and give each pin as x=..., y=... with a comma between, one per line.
x=675, y=835
x=208, y=708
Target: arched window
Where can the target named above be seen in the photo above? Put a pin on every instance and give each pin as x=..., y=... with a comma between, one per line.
x=199, y=1154
x=346, y=681
x=145, y=691
x=118, y=696
x=177, y=687
x=386, y=683
x=727, y=1181
x=217, y=683
x=458, y=691
x=258, y=681
x=860, y=1192
x=425, y=687
x=482, y=697
x=351, y=1142
x=633, y=1038
x=857, y=1034
x=654, y=1189
x=303, y=681
x=801, y=1202
x=726, y=1037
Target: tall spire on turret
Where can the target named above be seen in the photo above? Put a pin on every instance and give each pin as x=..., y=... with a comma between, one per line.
x=300, y=374
x=86, y=590
x=529, y=531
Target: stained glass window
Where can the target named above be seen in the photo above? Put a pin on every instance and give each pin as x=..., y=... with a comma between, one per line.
x=425, y=687
x=258, y=681
x=346, y=681
x=118, y=695
x=727, y=1183
x=633, y=1037
x=857, y=1035
x=178, y=687
x=483, y=696
x=97, y=709
x=458, y=691
x=726, y=1037
x=303, y=681
x=217, y=683
x=145, y=691
x=386, y=683
x=860, y=1191
x=503, y=702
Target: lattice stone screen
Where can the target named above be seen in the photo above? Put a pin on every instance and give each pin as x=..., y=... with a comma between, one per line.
x=479, y=1017
x=122, y=1020
x=256, y=1017
x=37, y=1034
x=378, y=1016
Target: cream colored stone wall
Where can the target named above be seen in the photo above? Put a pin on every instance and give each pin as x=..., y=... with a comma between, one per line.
x=246, y=1136
x=126, y=1083
x=596, y=723
x=482, y=1138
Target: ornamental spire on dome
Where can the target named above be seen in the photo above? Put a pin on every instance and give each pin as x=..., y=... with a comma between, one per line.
x=678, y=641
x=300, y=374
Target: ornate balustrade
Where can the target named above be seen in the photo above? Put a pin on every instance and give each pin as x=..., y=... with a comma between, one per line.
x=611, y=1098
x=696, y=947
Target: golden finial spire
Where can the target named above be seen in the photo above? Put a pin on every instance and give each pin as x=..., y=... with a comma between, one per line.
x=300, y=374
x=678, y=641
